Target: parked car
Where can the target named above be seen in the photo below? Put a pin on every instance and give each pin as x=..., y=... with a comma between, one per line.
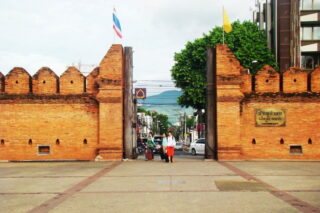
x=178, y=145
x=198, y=146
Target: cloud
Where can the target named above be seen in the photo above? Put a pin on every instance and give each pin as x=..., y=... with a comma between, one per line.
x=31, y=62
x=37, y=33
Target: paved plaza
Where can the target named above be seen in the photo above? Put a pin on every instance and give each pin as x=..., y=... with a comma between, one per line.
x=188, y=185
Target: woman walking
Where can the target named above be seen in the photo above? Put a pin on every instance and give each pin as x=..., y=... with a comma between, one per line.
x=150, y=145
x=171, y=143
x=164, y=146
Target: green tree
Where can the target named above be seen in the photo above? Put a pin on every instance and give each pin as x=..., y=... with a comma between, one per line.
x=190, y=122
x=246, y=41
x=161, y=122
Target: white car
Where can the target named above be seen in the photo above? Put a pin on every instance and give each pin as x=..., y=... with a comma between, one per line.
x=178, y=145
x=198, y=146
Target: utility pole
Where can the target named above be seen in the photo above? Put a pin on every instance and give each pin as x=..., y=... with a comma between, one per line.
x=185, y=126
x=211, y=107
x=129, y=126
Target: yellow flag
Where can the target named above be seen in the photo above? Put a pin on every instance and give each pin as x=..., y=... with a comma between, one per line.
x=226, y=23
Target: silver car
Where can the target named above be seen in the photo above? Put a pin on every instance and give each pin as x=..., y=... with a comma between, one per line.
x=198, y=146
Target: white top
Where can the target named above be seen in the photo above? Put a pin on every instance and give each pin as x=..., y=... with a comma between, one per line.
x=171, y=141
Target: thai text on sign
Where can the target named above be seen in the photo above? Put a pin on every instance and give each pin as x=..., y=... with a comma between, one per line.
x=270, y=117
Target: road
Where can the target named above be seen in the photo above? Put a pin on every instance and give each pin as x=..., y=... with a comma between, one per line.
x=187, y=185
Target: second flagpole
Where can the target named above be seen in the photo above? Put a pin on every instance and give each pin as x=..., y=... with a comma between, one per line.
x=222, y=25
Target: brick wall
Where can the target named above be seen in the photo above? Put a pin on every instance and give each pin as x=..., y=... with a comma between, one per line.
x=110, y=96
x=315, y=79
x=18, y=81
x=72, y=82
x=49, y=111
x=45, y=81
x=62, y=125
x=239, y=137
x=267, y=80
x=91, y=81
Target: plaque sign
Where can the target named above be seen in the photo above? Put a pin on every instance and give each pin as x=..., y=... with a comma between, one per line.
x=270, y=117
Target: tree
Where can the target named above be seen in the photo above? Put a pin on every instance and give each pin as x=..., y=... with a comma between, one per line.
x=160, y=122
x=191, y=121
x=246, y=41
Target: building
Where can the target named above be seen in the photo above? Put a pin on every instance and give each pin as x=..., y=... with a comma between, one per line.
x=293, y=31
x=144, y=124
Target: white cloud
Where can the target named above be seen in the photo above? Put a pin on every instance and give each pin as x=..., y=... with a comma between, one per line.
x=37, y=33
x=31, y=62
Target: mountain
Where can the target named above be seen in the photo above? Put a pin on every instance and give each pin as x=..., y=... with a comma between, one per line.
x=166, y=103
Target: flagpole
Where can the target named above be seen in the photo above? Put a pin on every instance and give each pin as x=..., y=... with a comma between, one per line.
x=222, y=24
x=114, y=33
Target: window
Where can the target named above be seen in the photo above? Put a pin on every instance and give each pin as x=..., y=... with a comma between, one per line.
x=306, y=33
x=44, y=150
x=310, y=33
x=306, y=4
x=316, y=33
x=295, y=149
x=307, y=62
x=316, y=4
x=201, y=141
x=310, y=4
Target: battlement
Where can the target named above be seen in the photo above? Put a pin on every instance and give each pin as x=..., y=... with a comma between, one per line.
x=293, y=80
x=71, y=116
x=47, y=82
x=269, y=115
x=267, y=79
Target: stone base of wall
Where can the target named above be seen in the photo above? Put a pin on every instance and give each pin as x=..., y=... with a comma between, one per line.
x=109, y=154
x=229, y=153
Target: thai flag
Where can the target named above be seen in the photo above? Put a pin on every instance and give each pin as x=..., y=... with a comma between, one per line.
x=116, y=23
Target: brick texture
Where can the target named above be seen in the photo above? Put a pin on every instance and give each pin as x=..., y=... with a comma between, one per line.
x=72, y=82
x=110, y=96
x=295, y=80
x=92, y=85
x=228, y=107
x=45, y=81
x=17, y=81
x=238, y=135
x=75, y=124
x=302, y=120
x=44, y=124
x=267, y=80
x=246, y=83
x=315, y=79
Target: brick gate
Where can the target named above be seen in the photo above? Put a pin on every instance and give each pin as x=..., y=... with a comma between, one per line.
x=71, y=117
x=267, y=116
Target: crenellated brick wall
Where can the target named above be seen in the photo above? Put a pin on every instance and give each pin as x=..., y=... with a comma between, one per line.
x=17, y=81
x=72, y=116
x=45, y=81
x=240, y=136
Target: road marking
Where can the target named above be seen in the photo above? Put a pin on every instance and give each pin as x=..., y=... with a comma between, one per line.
x=55, y=201
x=280, y=194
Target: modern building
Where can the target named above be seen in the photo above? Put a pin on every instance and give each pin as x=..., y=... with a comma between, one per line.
x=293, y=31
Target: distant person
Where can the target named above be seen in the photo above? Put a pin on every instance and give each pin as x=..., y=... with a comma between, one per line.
x=164, y=146
x=171, y=143
x=150, y=145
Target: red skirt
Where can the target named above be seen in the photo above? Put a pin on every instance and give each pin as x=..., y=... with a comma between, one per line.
x=170, y=151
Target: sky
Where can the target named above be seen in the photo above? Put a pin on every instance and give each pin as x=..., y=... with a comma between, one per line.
x=61, y=33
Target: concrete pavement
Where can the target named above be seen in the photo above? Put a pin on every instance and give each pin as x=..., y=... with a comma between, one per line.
x=188, y=185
